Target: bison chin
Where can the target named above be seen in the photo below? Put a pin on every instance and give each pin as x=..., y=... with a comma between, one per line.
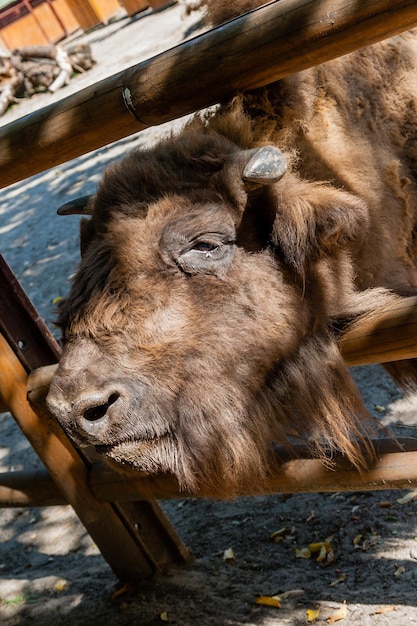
x=219, y=454
x=147, y=457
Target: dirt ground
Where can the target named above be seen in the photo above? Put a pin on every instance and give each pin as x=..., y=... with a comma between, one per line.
x=52, y=573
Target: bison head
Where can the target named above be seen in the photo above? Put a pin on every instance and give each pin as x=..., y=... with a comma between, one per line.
x=197, y=331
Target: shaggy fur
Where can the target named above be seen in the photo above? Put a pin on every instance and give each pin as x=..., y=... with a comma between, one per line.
x=200, y=324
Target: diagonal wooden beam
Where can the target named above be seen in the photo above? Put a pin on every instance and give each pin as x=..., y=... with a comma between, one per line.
x=119, y=531
x=269, y=43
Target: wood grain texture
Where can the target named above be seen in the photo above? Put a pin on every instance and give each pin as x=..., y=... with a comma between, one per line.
x=258, y=48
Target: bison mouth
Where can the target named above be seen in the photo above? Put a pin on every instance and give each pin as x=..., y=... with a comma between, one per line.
x=148, y=456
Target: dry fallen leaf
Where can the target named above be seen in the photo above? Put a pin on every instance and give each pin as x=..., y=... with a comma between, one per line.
x=291, y=593
x=325, y=550
x=341, y=579
x=302, y=553
x=278, y=535
x=384, y=609
x=269, y=601
x=229, y=556
x=60, y=585
x=411, y=495
x=277, y=599
x=312, y=615
x=338, y=615
x=322, y=554
x=399, y=569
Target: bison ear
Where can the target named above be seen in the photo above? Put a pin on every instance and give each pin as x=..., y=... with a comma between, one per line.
x=313, y=220
x=87, y=233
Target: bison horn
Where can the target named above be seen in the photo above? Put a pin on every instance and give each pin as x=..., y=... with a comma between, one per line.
x=79, y=206
x=265, y=166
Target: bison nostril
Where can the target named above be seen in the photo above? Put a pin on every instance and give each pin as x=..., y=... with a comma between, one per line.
x=95, y=413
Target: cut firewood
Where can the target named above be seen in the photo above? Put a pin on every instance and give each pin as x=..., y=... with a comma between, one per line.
x=32, y=69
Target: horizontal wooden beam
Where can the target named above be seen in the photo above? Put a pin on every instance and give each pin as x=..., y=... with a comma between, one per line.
x=274, y=41
x=388, y=334
x=396, y=468
x=29, y=489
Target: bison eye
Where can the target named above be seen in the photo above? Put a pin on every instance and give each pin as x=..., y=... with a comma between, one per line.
x=205, y=246
x=206, y=256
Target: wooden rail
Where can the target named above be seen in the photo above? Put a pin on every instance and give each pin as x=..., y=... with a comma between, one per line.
x=251, y=51
x=395, y=468
x=111, y=525
x=388, y=334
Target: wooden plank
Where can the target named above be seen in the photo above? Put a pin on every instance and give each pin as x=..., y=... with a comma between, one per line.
x=22, y=325
x=388, y=334
x=154, y=529
x=395, y=468
x=3, y=406
x=29, y=489
x=274, y=41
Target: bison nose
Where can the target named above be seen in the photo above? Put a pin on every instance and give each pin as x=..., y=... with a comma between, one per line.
x=89, y=417
x=92, y=413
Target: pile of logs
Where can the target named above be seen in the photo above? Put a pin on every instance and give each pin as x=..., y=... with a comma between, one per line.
x=29, y=70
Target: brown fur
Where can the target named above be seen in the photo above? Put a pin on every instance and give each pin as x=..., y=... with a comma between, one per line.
x=190, y=364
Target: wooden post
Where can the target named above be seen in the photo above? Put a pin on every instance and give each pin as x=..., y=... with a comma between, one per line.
x=274, y=41
x=135, y=6
x=120, y=534
x=91, y=13
x=70, y=473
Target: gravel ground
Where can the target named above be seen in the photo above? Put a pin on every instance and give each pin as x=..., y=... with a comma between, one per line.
x=52, y=573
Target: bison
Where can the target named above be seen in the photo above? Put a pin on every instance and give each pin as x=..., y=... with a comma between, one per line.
x=218, y=266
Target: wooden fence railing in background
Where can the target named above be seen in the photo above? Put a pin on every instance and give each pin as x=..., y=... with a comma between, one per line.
x=275, y=40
